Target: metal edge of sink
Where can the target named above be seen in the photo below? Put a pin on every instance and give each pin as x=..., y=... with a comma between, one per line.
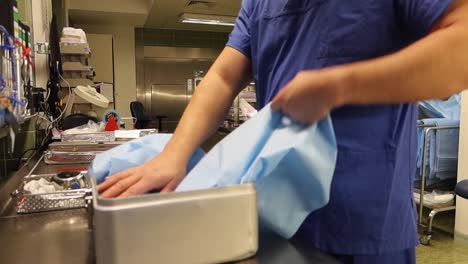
x=12, y=184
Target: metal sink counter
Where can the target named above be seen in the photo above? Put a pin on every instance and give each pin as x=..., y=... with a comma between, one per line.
x=54, y=237
x=67, y=236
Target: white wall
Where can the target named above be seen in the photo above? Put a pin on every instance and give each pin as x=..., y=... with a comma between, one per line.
x=124, y=63
x=461, y=219
x=102, y=62
x=102, y=59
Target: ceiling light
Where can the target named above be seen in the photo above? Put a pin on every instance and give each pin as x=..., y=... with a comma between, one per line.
x=208, y=19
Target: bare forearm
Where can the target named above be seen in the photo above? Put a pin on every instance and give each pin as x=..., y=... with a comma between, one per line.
x=435, y=67
x=203, y=115
x=209, y=104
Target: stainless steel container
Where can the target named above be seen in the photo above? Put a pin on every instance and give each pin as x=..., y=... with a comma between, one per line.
x=89, y=137
x=209, y=226
x=76, y=153
x=61, y=157
x=83, y=147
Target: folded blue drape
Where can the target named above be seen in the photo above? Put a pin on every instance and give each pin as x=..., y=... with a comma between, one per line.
x=442, y=155
x=442, y=160
x=132, y=154
x=449, y=109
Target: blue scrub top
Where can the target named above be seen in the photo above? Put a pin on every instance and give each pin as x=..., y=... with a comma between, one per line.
x=371, y=209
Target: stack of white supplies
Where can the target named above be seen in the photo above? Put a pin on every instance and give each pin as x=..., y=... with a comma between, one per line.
x=40, y=186
x=73, y=35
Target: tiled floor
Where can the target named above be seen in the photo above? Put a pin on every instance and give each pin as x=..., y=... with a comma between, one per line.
x=443, y=249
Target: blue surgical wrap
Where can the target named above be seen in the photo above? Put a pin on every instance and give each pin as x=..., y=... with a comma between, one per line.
x=442, y=154
x=132, y=154
x=449, y=109
x=292, y=166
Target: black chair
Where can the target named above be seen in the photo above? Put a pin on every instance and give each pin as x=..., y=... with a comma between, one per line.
x=142, y=119
x=76, y=120
x=462, y=189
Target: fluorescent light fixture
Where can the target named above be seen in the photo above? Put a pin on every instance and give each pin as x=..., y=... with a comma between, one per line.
x=208, y=19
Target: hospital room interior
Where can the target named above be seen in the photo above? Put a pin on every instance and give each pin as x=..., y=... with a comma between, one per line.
x=226, y=131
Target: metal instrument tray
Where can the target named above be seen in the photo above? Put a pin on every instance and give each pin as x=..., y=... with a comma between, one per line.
x=89, y=137
x=59, y=157
x=59, y=200
x=83, y=147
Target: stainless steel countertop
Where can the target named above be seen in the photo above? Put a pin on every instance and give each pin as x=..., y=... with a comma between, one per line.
x=66, y=236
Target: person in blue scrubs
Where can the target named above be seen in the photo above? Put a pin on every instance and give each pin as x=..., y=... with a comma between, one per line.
x=365, y=62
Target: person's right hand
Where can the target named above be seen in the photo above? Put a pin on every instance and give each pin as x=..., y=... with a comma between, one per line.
x=162, y=173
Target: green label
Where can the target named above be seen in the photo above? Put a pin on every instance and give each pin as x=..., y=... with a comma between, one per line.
x=15, y=14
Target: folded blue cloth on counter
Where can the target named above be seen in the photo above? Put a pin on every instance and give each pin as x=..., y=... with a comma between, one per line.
x=292, y=166
x=436, y=108
x=446, y=162
x=132, y=154
x=442, y=152
x=6, y=118
x=442, y=155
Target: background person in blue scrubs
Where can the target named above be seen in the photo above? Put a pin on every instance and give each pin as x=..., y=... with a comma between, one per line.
x=365, y=62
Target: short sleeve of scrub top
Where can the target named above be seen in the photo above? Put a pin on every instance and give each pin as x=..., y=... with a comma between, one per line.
x=417, y=17
x=240, y=36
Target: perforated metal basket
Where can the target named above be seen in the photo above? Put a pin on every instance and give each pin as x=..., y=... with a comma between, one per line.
x=60, y=200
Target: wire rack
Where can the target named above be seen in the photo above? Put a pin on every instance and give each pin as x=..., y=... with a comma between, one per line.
x=60, y=200
x=50, y=202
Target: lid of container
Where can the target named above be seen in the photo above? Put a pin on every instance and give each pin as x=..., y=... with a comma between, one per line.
x=90, y=95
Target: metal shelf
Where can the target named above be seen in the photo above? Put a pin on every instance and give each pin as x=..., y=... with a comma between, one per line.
x=76, y=82
x=75, y=49
x=76, y=67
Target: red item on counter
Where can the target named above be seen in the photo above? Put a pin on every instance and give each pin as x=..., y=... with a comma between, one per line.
x=112, y=124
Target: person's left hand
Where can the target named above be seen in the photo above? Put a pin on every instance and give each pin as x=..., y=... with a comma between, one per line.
x=310, y=96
